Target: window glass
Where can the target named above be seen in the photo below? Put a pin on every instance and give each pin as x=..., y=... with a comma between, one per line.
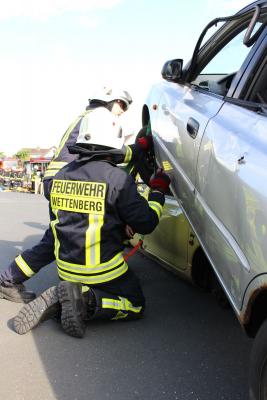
x=230, y=58
x=217, y=75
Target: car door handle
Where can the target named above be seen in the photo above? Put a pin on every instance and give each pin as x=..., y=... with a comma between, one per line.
x=192, y=127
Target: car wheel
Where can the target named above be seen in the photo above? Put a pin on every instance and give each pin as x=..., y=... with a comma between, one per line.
x=258, y=366
x=145, y=165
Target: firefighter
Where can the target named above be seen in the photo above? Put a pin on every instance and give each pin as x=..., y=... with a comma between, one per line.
x=103, y=110
x=91, y=202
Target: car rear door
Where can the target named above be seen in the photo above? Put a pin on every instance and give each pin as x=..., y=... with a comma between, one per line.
x=231, y=182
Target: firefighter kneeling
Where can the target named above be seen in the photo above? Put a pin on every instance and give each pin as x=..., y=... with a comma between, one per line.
x=91, y=202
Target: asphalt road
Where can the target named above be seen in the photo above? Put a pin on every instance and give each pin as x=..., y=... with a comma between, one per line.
x=185, y=348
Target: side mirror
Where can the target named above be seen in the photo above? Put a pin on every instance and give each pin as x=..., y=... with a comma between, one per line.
x=172, y=70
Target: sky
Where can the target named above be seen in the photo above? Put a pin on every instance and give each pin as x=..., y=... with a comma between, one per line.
x=56, y=53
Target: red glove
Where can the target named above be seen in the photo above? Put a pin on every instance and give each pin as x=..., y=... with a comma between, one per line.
x=160, y=181
x=145, y=143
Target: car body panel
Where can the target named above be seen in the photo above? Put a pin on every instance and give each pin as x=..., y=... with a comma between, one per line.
x=176, y=106
x=233, y=159
x=170, y=242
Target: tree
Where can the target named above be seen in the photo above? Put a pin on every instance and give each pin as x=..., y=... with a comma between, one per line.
x=22, y=155
x=2, y=154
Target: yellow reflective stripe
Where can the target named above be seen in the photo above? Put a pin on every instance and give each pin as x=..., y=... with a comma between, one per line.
x=52, y=170
x=91, y=269
x=50, y=173
x=132, y=308
x=128, y=155
x=93, y=238
x=119, y=315
x=157, y=207
x=24, y=266
x=53, y=227
x=56, y=164
x=122, y=304
x=67, y=133
x=90, y=280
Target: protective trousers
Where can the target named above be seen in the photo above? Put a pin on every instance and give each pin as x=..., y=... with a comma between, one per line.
x=120, y=299
x=29, y=262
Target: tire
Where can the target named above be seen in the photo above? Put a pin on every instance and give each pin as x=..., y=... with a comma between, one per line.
x=258, y=366
x=145, y=166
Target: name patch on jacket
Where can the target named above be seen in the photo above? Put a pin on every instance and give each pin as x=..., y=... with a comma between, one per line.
x=78, y=196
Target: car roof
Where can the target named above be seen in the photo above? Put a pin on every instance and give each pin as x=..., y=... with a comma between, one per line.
x=260, y=3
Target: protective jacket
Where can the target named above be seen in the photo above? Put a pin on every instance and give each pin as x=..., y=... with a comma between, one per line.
x=92, y=200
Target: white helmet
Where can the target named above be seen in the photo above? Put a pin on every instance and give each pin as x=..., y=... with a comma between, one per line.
x=100, y=127
x=108, y=94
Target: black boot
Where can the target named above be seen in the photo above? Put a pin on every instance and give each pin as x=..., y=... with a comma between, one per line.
x=73, y=307
x=44, y=307
x=16, y=292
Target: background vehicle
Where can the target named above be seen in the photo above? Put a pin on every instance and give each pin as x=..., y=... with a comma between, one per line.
x=209, y=127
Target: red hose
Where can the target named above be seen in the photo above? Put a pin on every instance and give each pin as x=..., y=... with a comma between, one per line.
x=134, y=250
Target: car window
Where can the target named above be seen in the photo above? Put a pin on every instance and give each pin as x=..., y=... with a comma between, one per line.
x=257, y=92
x=230, y=58
x=217, y=75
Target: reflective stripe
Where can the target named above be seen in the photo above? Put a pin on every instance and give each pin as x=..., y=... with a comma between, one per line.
x=24, y=266
x=122, y=304
x=52, y=173
x=53, y=227
x=120, y=315
x=128, y=155
x=93, y=238
x=90, y=280
x=53, y=169
x=56, y=164
x=91, y=269
x=157, y=207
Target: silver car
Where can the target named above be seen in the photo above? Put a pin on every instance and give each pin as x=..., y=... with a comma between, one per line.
x=209, y=126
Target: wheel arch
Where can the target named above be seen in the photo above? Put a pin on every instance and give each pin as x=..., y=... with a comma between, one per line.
x=145, y=115
x=255, y=310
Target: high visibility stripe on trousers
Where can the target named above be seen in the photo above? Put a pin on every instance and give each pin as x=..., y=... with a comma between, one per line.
x=122, y=304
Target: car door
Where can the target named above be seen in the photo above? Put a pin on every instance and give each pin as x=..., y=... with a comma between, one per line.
x=184, y=111
x=183, y=116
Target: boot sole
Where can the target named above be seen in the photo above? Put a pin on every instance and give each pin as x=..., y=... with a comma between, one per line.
x=71, y=319
x=37, y=311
